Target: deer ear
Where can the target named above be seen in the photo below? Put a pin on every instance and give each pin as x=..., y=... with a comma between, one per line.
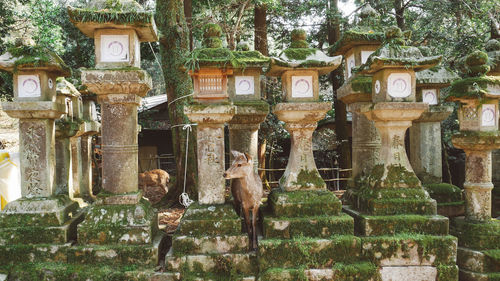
x=235, y=153
x=249, y=158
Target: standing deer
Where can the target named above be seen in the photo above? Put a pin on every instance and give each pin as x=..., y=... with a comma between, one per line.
x=246, y=188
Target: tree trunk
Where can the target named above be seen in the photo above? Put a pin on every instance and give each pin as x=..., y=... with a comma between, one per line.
x=174, y=44
x=400, y=14
x=260, y=23
x=341, y=129
x=188, y=13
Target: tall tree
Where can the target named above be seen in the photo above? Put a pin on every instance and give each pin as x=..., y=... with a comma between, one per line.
x=260, y=26
x=336, y=77
x=174, y=46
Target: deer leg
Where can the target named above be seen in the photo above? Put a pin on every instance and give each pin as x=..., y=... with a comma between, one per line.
x=255, y=211
x=246, y=214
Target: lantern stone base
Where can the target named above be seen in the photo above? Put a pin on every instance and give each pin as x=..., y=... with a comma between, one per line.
x=209, y=245
x=479, y=249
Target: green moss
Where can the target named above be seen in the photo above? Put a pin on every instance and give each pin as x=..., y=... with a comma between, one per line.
x=356, y=35
x=492, y=45
x=447, y=272
x=308, y=179
x=477, y=58
x=444, y=192
x=303, y=203
x=212, y=30
x=472, y=87
x=476, y=235
x=36, y=56
x=361, y=271
x=396, y=224
x=260, y=106
x=298, y=53
x=298, y=35
x=362, y=84
x=116, y=16
x=299, y=44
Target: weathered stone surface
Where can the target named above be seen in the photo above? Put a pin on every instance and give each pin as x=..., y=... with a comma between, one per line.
x=301, y=121
x=476, y=235
x=183, y=245
x=237, y=263
x=465, y=275
x=303, y=203
x=210, y=145
x=16, y=255
x=33, y=109
x=389, y=225
x=131, y=198
x=86, y=159
x=410, y=273
x=118, y=224
x=425, y=144
x=117, y=82
x=320, y=253
x=478, y=261
x=63, y=166
x=311, y=226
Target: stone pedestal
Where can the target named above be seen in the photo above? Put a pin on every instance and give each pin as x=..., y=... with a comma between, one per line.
x=425, y=144
x=210, y=144
x=40, y=216
x=478, y=185
x=301, y=121
x=244, y=128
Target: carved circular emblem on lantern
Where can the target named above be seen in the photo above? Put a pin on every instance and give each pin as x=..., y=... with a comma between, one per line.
x=430, y=96
x=377, y=87
x=399, y=85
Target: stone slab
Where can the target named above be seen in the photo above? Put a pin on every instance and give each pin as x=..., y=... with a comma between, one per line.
x=38, y=211
x=17, y=254
x=211, y=220
x=184, y=245
x=317, y=253
x=118, y=199
x=41, y=234
x=478, y=261
x=366, y=225
x=408, y=273
x=465, y=275
x=353, y=271
x=219, y=263
x=476, y=235
x=304, y=203
x=313, y=226
x=118, y=224
x=410, y=250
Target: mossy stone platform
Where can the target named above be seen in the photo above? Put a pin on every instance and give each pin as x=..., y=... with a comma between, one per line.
x=478, y=254
x=209, y=245
x=307, y=237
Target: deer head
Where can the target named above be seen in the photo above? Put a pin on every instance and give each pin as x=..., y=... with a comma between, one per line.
x=241, y=167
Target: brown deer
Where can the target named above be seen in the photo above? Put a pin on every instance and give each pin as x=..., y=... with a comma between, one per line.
x=246, y=188
x=156, y=177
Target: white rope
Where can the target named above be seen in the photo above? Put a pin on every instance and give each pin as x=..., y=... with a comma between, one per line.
x=179, y=99
x=184, y=198
x=183, y=125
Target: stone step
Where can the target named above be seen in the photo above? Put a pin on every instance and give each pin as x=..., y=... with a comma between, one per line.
x=362, y=271
x=237, y=264
x=16, y=254
x=466, y=275
x=133, y=224
x=61, y=271
x=192, y=276
x=304, y=203
x=410, y=250
x=189, y=245
x=314, y=226
x=366, y=225
x=399, y=206
x=487, y=261
x=35, y=234
x=476, y=235
x=308, y=252
x=419, y=273
x=141, y=255
x=212, y=227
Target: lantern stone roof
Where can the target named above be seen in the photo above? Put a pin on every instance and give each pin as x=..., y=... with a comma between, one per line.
x=114, y=14
x=213, y=55
x=367, y=32
x=32, y=57
x=477, y=85
x=300, y=56
x=395, y=54
x=439, y=75
x=65, y=88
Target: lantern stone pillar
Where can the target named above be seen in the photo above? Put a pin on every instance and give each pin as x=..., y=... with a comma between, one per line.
x=356, y=45
x=478, y=234
x=40, y=216
x=92, y=127
x=119, y=84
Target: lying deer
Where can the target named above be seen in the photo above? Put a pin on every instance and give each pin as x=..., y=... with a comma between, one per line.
x=246, y=188
x=156, y=177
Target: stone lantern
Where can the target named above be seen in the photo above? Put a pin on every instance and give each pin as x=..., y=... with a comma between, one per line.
x=41, y=210
x=425, y=133
x=244, y=88
x=389, y=200
x=356, y=45
x=478, y=234
x=117, y=27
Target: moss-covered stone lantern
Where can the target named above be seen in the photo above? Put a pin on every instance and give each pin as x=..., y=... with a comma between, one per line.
x=359, y=42
x=41, y=216
x=425, y=133
x=356, y=45
x=118, y=27
x=478, y=234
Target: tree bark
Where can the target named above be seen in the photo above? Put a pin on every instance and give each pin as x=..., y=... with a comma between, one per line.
x=188, y=13
x=399, y=8
x=341, y=129
x=174, y=44
x=260, y=23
